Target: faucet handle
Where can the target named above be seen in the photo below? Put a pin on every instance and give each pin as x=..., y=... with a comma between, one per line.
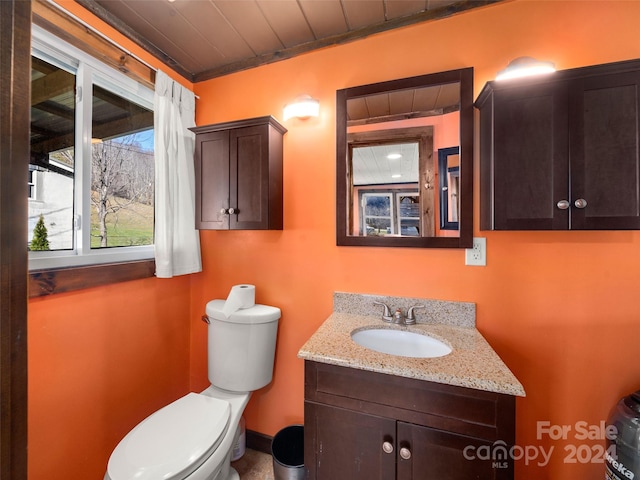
x=386, y=313
x=411, y=319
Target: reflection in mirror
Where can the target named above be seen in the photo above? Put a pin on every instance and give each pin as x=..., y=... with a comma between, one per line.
x=390, y=186
x=390, y=163
x=449, y=183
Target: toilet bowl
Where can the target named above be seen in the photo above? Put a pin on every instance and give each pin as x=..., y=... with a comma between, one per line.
x=192, y=438
x=189, y=439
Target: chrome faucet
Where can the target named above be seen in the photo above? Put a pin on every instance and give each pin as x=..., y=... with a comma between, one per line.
x=398, y=317
x=386, y=313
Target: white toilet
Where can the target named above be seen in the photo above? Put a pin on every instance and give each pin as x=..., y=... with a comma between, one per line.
x=192, y=438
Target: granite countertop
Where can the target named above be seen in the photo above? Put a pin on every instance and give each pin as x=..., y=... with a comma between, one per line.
x=472, y=363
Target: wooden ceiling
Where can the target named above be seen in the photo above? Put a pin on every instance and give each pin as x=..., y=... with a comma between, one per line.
x=203, y=39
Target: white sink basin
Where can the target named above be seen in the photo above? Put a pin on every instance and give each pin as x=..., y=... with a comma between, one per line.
x=400, y=343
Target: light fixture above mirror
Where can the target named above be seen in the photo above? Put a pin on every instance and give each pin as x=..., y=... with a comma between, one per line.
x=389, y=136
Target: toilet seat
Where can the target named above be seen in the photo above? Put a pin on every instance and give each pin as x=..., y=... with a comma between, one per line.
x=172, y=442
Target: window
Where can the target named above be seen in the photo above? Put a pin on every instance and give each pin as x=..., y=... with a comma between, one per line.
x=390, y=212
x=33, y=193
x=91, y=173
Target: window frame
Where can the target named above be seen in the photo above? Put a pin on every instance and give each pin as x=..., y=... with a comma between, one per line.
x=89, y=71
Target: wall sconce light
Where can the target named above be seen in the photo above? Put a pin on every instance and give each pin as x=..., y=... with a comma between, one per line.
x=302, y=107
x=524, y=67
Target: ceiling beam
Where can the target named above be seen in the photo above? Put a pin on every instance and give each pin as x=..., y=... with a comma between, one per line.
x=116, y=127
x=51, y=85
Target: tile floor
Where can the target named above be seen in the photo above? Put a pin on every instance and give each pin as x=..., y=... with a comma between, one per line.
x=254, y=465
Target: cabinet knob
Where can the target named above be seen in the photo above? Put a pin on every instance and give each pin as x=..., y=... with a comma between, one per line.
x=563, y=204
x=580, y=203
x=387, y=447
x=405, y=453
x=224, y=211
x=233, y=210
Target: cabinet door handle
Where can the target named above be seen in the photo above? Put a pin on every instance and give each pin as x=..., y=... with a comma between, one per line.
x=405, y=453
x=580, y=203
x=224, y=211
x=387, y=447
x=233, y=210
x=563, y=204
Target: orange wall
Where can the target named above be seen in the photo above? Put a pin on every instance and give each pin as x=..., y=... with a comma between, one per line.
x=102, y=359
x=559, y=308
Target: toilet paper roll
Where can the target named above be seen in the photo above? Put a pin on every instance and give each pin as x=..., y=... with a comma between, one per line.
x=240, y=296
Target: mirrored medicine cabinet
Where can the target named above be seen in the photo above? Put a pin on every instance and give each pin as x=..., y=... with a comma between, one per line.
x=404, y=162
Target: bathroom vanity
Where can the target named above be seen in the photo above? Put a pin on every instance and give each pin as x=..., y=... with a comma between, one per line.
x=370, y=415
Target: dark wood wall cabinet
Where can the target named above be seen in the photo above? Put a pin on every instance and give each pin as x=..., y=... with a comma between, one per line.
x=561, y=151
x=362, y=425
x=238, y=168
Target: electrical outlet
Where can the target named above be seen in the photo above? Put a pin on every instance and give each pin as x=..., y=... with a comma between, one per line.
x=477, y=255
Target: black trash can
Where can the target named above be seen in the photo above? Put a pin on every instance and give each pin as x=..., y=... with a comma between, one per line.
x=287, y=449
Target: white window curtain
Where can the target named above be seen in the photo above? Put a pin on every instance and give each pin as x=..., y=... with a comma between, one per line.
x=177, y=242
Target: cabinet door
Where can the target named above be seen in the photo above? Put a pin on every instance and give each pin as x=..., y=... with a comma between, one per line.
x=605, y=168
x=348, y=445
x=212, y=180
x=438, y=455
x=530, y=161
x=249, y=178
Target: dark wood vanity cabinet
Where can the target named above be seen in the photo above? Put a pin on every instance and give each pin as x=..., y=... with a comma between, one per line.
x=238, y=170
x=362, y=425
x=561, y=151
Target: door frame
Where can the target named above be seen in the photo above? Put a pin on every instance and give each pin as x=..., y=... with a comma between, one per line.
x=15, y=95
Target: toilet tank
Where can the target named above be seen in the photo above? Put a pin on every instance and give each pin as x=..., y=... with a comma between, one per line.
x=241, y=347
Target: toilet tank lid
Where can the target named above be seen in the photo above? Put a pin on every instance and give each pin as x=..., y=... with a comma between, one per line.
x=173, y=441
x=252, y=315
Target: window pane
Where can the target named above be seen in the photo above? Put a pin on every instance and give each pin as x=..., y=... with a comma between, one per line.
x=377, y=214
x=378, y=227
x=377, y=205
x=409, y=214
x=51, y=166
x=122, y=172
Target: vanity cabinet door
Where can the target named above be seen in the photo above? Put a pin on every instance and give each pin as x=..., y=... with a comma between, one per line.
x=238, y=167
x=426, y=453
x=348, y=444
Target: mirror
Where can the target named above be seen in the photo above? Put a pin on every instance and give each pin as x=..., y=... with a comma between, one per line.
x=405, y=162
